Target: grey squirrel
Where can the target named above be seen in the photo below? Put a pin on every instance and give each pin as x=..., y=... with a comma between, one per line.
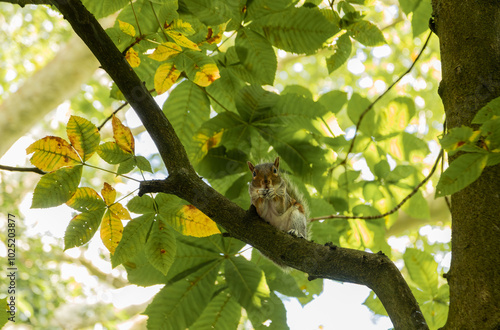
x=276, y=200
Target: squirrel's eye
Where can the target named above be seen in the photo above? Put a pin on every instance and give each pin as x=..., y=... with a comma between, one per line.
x=275, y=170
x=254, y=173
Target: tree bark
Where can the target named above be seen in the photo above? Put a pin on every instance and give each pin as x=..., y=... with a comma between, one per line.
x=469, y=34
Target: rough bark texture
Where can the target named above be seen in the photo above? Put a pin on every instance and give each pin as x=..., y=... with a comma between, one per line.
x=469, y=34
x=374, y=270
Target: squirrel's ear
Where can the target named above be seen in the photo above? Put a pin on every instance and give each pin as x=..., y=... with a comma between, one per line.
x=250, y=166
x=277, y=162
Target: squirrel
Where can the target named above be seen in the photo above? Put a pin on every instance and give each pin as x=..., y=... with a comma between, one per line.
x=276, y=200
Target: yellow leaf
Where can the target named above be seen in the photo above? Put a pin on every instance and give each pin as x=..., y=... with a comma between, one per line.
x=182, y=40
x=108, y=193
x=166, y=75
x=165, y=51
x=83, y=135
x=133, y=58
x=206, y=75
x=123, y=136
x=183, y=27
x=52, y=153
x=196, y=223
x=119, y=211
x=209, y=142
x=214, y=38
x=126, y=28
x=111, y=231
x=85, y=199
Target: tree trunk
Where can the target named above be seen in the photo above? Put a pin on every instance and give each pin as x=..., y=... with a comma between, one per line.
x=469, y=34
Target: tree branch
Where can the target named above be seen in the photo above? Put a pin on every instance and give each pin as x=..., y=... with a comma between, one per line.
x=23, y=3
x=374, y=270
x=22, y=169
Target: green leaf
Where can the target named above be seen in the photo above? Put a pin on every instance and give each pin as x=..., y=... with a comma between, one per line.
x=5, y=312
x=223, y=312
x=400, y=172
x=343, y=48
x=82, y=228
x=413, y=146
x=435, y=313
x=133, y=239
x=333, y=101
x=199, y=68
x=355, y=108
x=396, y=116
x=143, y=164
x=409, y=6
x=161, y=246
x=366, y=33
x=374, y=304
x=298, y=112
x=417, y=207
x=111, y=153
x=246, y=282
x=220, y=162
x=422, y=269
x=236, y=133
x=178, y=305
x=420, y=18
x=86, y=199
x=194, y=254
x=299, y=90
x=187, y=108
x=487, y=112
x=297, y=30
x=105, y=7
x=276, y=278
x=256, y=55
x=462, y=171
x=141, y=272
x=224, y=90
x=214, y=12
x=83, y=135
x=273, y=311
x=126, y=166
x=141, y=16
x=253, y=103
x=456, y=138
x=260, y=8
x=141, y=205
x=312, y=288
x=56, y=188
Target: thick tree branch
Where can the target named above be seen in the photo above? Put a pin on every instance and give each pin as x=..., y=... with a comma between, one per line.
x=374, y=270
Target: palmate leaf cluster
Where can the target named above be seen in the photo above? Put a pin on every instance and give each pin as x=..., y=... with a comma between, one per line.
x=218, y=61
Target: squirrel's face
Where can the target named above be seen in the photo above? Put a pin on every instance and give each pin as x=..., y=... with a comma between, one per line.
x=265, y=175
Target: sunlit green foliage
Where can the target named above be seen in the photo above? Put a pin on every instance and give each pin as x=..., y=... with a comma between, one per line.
x=251, y=80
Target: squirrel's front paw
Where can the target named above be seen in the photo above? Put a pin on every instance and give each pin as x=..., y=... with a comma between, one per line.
x=271, y=193
x=296, y=233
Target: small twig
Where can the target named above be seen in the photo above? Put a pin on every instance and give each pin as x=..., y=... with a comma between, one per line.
x=410, y=195
x=158, y=21
x=370, y=107
x=23, y=3
x=135, y=16
x=114, y=112
x=22, y=169
x=111, y=116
